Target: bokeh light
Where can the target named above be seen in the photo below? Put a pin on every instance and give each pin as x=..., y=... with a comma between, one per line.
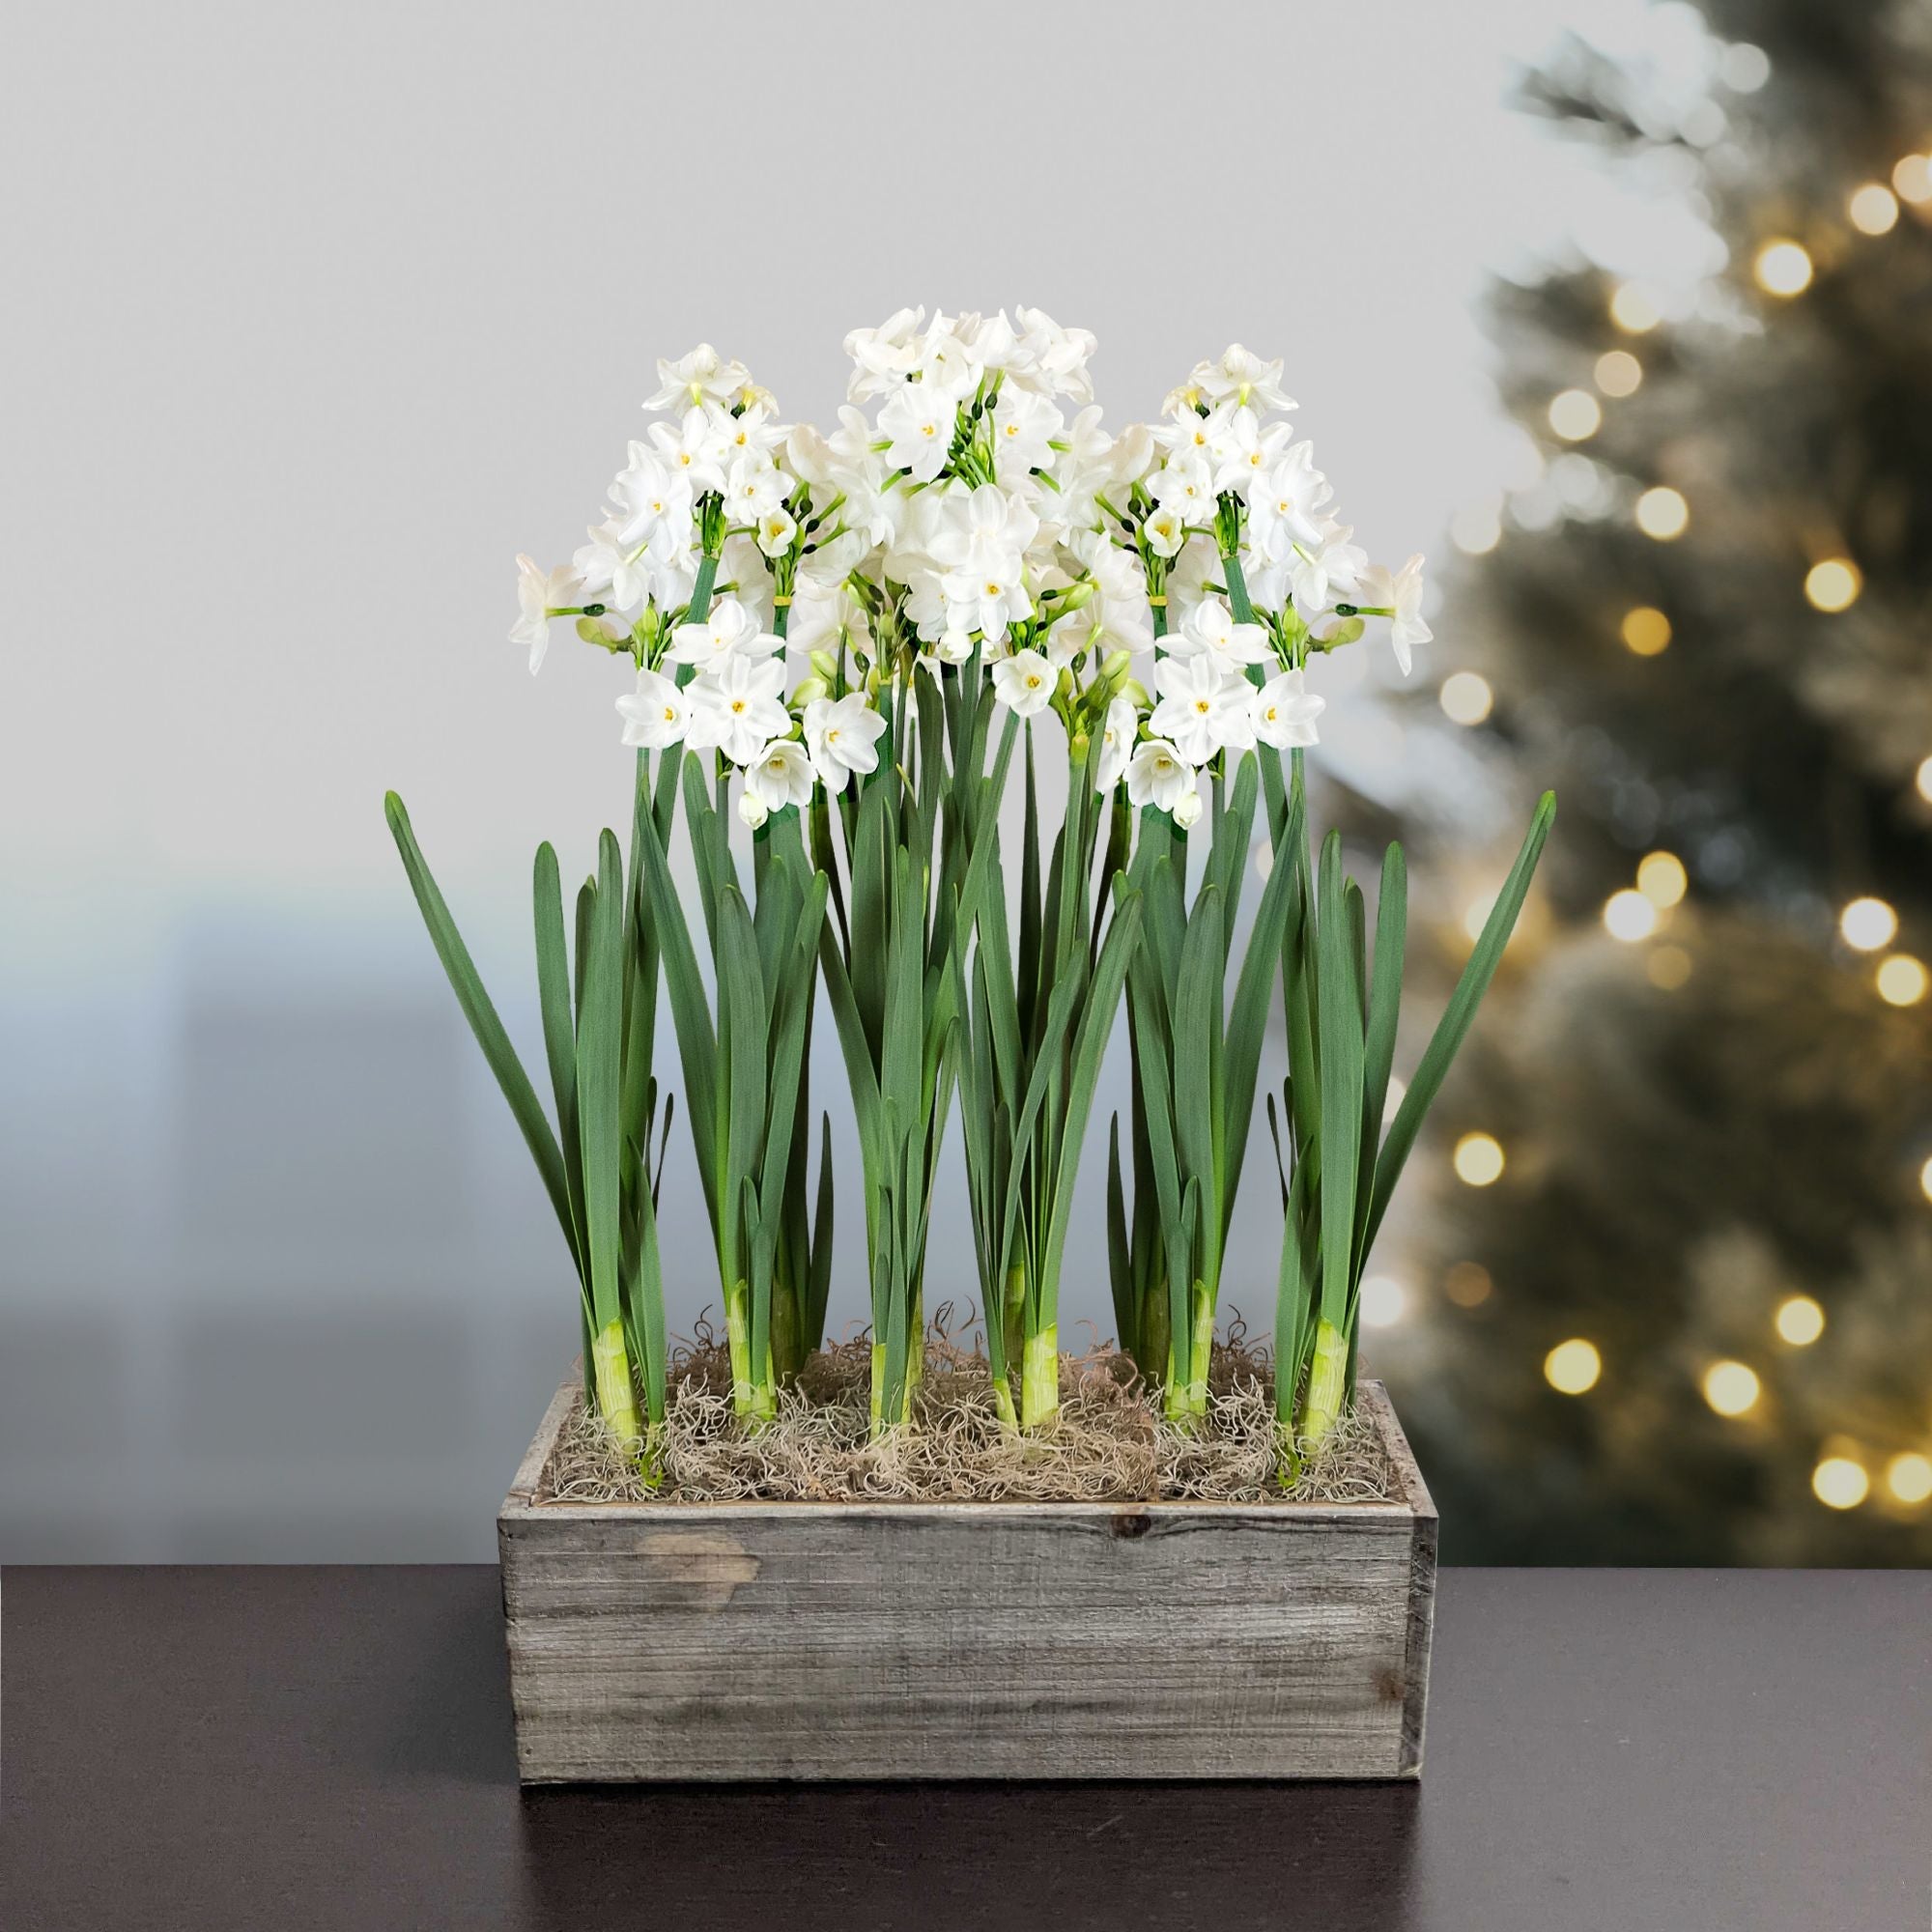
x=1629, y=916
x=1383, y=1300
x=1466, y=698
x=1782, y=269
x=1618, y=373
x=1873, y=208
x=1839, y=1483
x=1800, y=1321
x=1573, y=1367
x=1662, y=879
x=1479, y=1159
x=1868, y=923
x=1909, y=1476
x=1834, y=584
x=1662, y=513
x=1902, y=979
x=1575, y=415
x=1634, y=310
x=1646, y=631
x=1731, y=1388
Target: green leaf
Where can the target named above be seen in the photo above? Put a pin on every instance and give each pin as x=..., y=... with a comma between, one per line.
x=559, y=1030
x=1385, y=1009
x=484, y=1023
x=1458, y=1016
x=599, y=1069
x=1340, y=1042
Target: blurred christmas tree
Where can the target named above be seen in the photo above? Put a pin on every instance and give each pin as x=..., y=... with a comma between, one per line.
x=1709, y=625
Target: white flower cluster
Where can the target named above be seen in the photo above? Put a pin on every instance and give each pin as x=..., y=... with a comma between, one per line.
x=970, y=525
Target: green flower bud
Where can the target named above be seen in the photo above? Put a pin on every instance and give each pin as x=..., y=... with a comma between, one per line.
x=1136, y=693
x=808, y=689
x=1079, y=593
x=1063, y=690
x=826, y=666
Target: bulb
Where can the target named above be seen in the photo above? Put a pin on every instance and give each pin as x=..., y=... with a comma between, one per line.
x=1662, y=879
x=1383, y=1300
x=1800, y=1321
x=1634, y=311
x=1575, y=414
x=1873, y=208
x=1902, y=981
x=1572, y=1367
x=1629, y=916
x=1834, y=584
x=1646, y=631
x=1782, y=269
x=1731, y=1388
x=1662, y=513
x=1466, y=698
x=1909, y=1477
x=1839, y=1483
x=1479, y=1159
x=1618, y=373
x=1868, y=925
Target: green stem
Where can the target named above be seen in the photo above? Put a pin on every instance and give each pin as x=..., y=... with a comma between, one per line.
x=1040, y=1378
x=752, y=1393
x=616, y=1394
x=1327, y=1384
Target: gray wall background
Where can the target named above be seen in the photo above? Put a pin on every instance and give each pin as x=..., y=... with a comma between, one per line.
x=314, y=317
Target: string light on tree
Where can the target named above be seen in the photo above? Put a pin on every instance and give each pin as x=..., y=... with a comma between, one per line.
x=1731, y=1388
x=1383, y=1300
x=1909, y=1476
x=1834, y=584
x=1925, y=1180
x=1618, y=373
x=1912, y=178
x=1479, y=1160
x=1632, y=309
x=1799, y=1320
x=1646, y=634
x=1839, y=1483
x=1662, y=513
x=1902, y=981
x=1867, y=924
x=1873, y=208
x=1923, y=781
x=1629, y=916
x=1466, y=698
x=1782, y=268
x=1575, y=415
x=1476, y=531
x=1573, y=1367
x=1662, y=879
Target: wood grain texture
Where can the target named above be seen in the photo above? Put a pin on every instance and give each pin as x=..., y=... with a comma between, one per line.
x=670, y=1641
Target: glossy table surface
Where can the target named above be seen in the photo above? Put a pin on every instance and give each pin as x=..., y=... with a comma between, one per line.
x=322, y=1749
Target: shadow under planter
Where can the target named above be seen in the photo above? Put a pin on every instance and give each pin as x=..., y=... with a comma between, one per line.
x=670, y=1641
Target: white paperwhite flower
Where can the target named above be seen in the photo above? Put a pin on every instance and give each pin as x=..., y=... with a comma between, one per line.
x=736, y=708
x=698, y=448
x=1285, y=711
x=1322, y=573
x=951, y=647
x=989, y=601
x=612, y=572
x=1187, y=809
x=1157, y=775
x=751, y=809
x=1202, y=706
x=754, y=432
x=655, y=714
x=755, y=487
x=1184, y=484
x=539, y=592
x=780, y=775
x=1400, y=591
x=653, y=501
x=883, y=357
x=987, y=528
x=1166, y=531
x=917, y=423
x=694, y=377
x=1285, y=506
x=1244, y=450
x=1057, y=357
x=1120, y=614
x=1210, y=628
x=946, y=364
x=729, y=631
x=1024, y=682
x=841, y=735
x=776, y=531
x=1118, y=733
x=1241, y=374
x=1024, y=424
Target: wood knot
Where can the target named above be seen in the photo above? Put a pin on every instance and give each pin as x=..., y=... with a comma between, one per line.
x=1130, y=1524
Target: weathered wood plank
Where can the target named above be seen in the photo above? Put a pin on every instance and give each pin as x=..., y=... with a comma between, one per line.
x=748, y=1640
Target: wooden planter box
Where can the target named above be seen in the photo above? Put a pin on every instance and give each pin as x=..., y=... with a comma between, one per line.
x=670, y=1641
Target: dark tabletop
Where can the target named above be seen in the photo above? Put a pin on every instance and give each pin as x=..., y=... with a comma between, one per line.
x=299, y=1751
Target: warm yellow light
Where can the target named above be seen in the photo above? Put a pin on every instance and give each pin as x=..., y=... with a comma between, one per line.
x=1731, y=1388
x=1782, y=269
x=1573, y=1367
x=1476, y=915
x=1646, y=631
x=1575, y=415
x=1662, y=513
x=1800, y=1321
x=1924, y=780
x=1839, y=1483
x=1868, y=925
x=1834, y=584
x=1902, y=981
x=1662, y=879
x=1629, y=916
x=1469, y=1284
x=1466, y=698
x=1666, y=967
x=1476, y=532
x=1925, y=1180
x=1382, y=1301
x=1909, y=1477
x=1912, y=178
x=1479, y=1159
x=1633, y=310
x=1873, y=208
x=1618, y=373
